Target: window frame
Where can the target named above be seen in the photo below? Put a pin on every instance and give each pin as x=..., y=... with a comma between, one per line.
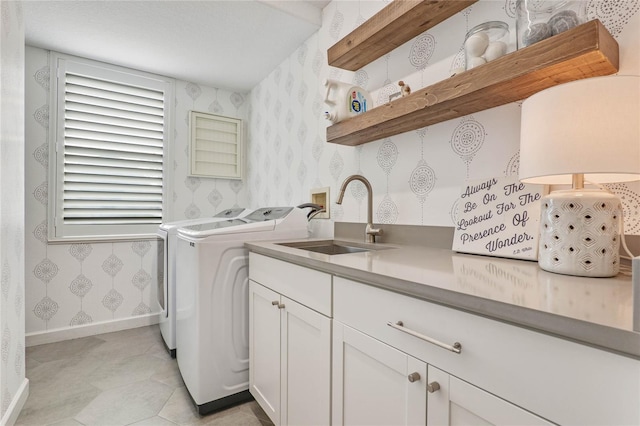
x=57, y=231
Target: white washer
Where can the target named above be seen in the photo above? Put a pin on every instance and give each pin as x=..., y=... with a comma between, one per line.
x=212, y=325
x=167, y=285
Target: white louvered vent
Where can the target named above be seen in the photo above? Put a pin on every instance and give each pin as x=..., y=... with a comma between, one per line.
x=216, y=146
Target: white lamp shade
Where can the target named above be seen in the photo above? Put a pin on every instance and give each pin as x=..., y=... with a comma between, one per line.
x=589, y=126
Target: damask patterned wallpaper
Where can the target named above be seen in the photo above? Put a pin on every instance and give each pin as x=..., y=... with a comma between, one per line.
x=416, y=176
x=69, y=285
x=12, y=355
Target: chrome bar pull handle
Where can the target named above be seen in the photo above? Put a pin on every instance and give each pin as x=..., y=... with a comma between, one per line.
x=455, y=348
x=275, y=302
x=414, y=377
x=433, y=387
x=280, y=305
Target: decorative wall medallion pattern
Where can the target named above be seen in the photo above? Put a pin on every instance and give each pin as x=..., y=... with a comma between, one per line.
x=81, y=318
x=215, y=198
x=41, y=115
x=192, y=183
x=317, y=148
x=80, y=286
x=236, y=185
x=112, y=265
x=288, y=120
x=510, y=8
x=42, y=77
x=630, y=207
x=302, y=133
x=336, y=24
x=40, y=232
x=41, y=155
x=277, y=144
x=215, y=106
x=236, y=100
x=41, y=193
x=141, y=279
x=467, y=139
x=46, y=270
x=277, y=178
x=614, y=14
x=141, y=248
x=193, y=91
x=112, y=300
x=387, y=155
x=387, y=210
x=361, y=78
x=277, y=109
x=45, y=309
x=18, y=304
x=302, y=53
x=5, y=282
x=80, y=251
x=288, y=84
x=6, y=344
x=336, y=165
x=141, y=309
x=301, y=173
x=288, y=157
x=422, y=180
x=18, y=363
x=422, y=50
x=513, y=166
x=192, y=211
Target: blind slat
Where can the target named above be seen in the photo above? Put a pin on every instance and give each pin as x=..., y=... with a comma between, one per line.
x=125, y=190
x=112, y=154
x=115, y=163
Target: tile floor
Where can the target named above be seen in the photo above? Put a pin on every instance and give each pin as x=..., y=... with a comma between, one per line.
x=121, y=378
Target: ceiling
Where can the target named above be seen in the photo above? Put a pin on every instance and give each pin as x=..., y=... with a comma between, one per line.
x=230, y=44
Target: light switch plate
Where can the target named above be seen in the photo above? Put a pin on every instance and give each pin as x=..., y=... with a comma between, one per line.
x=321, y=197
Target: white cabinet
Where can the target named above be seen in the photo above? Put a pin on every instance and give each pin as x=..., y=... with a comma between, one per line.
x=453, y=402
x=264, y=349
x=290, y=345
x=518, y=371
x=375, y=384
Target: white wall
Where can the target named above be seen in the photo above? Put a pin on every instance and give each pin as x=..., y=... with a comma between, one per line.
x=72, y=285
x=12, y=359
x=416, y=176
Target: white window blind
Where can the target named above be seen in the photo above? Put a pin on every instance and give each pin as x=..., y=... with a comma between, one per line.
x=216, y=146
x=111, y=138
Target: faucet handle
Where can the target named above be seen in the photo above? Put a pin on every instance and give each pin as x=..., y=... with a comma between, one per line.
x=372, y=232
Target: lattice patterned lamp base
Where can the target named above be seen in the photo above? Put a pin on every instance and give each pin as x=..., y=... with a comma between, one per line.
x=579, y=233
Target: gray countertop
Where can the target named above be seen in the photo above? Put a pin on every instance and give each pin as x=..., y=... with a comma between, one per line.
x=593, y=311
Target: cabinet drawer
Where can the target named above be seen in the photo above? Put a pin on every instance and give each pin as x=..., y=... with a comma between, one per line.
x=306, y=286
x=562, y=381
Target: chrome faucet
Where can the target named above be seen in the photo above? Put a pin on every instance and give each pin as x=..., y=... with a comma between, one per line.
x=370, y=231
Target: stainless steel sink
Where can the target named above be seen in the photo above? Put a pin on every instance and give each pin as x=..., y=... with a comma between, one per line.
x=332, y=247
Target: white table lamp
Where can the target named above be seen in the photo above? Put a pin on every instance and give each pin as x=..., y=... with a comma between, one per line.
x=586, y=130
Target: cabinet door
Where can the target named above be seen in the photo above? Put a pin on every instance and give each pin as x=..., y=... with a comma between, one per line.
x=458, y=403
x=306, y=366
x=371, y=383
x=264, y=349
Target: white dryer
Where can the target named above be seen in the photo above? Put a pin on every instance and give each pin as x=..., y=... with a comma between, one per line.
x=212, y=321
x=167, y=285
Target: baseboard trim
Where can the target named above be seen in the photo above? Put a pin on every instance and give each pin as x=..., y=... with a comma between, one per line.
x=13, y=412
x=68, y=333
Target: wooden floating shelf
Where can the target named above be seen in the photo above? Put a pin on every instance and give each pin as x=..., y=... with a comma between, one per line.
x=393, y=26
x=585, y=51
